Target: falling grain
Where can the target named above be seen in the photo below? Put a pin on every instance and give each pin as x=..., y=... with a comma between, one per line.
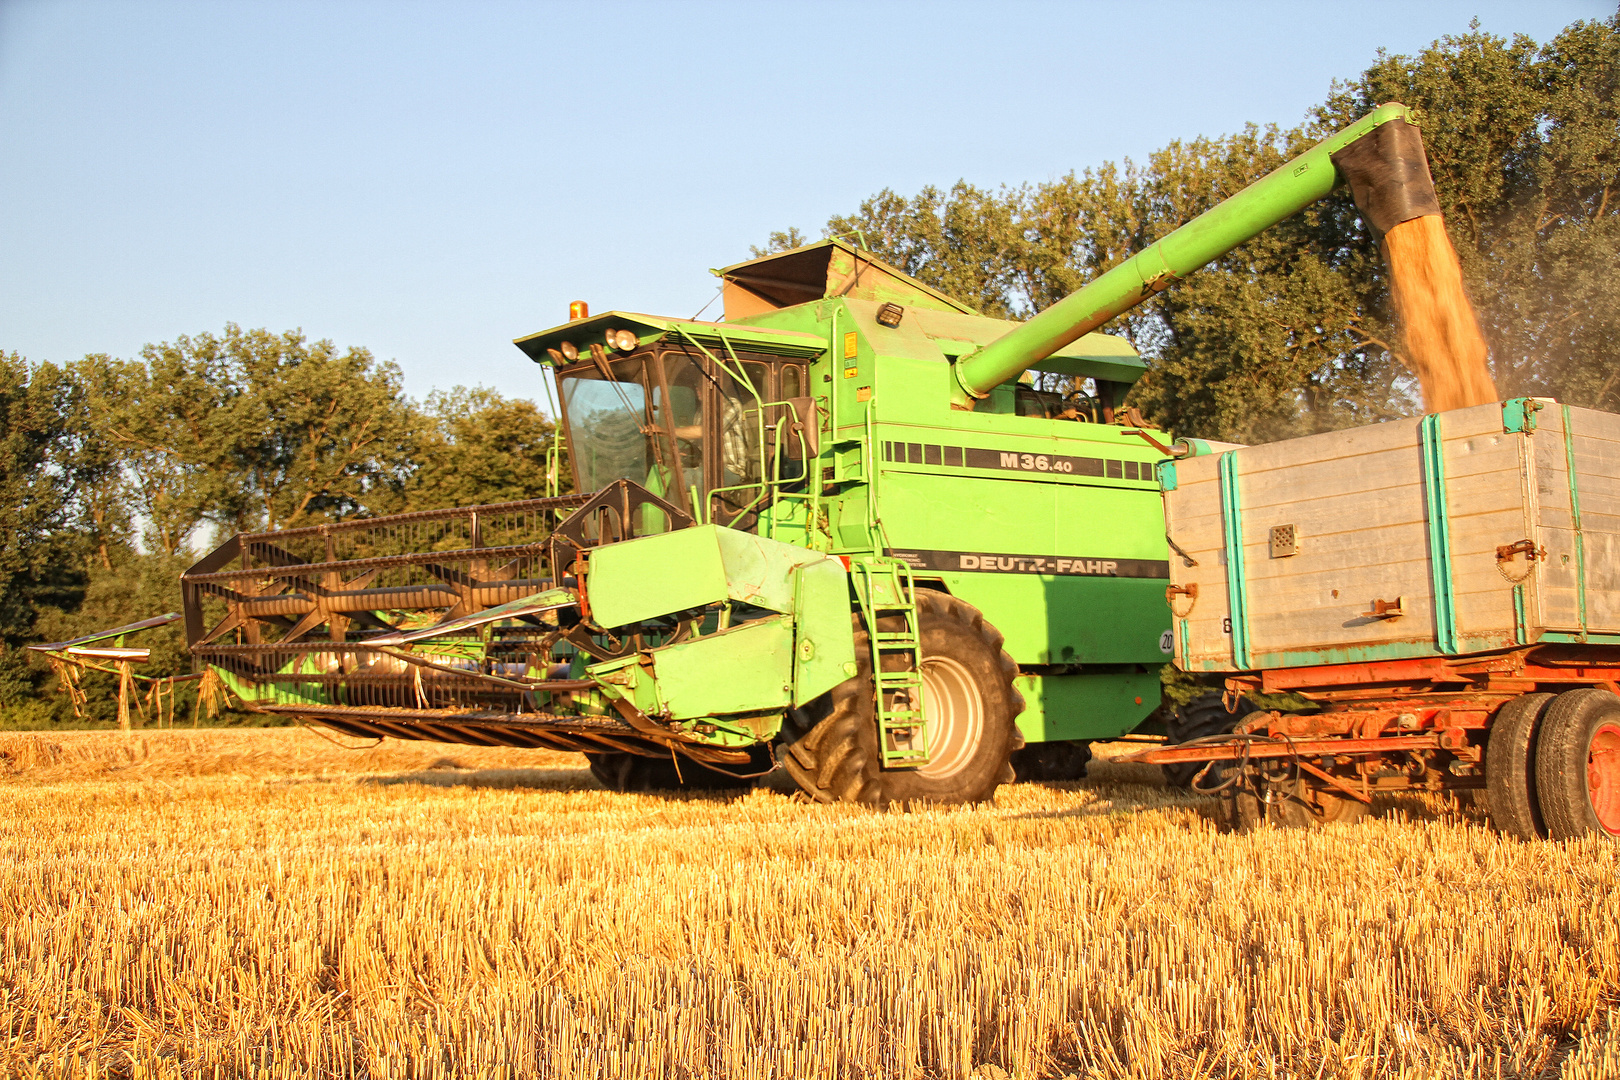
x=1443, y=344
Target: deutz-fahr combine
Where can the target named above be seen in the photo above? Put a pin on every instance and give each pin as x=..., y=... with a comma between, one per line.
x=840, y=532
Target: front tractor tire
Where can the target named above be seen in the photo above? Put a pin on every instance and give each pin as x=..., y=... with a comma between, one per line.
x=969, y=707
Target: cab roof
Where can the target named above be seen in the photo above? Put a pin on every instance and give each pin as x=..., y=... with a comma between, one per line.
x=583, y=333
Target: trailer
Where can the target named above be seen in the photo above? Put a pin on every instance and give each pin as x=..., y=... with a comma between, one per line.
x=1444, y=591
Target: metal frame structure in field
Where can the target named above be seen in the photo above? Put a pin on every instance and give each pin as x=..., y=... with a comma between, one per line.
x=1487, y=723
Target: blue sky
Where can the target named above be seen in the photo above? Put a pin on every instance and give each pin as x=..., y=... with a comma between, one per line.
x=431, y=180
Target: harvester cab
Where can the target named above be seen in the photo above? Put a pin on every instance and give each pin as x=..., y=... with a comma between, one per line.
x=856, y=530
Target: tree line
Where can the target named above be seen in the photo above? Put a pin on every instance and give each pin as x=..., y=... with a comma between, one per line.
x=115, y=473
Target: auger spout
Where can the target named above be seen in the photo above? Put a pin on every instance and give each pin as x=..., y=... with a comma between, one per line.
x=1380, y=155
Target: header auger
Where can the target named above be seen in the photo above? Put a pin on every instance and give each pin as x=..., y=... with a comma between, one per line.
x=837, y=531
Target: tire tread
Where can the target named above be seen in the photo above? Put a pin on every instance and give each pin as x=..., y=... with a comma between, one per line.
x=838, y=759
x=1510, y=767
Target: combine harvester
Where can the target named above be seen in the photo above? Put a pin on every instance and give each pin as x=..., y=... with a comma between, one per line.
x=835, y=531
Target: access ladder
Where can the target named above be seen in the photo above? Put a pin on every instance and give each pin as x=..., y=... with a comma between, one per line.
x=886, y=594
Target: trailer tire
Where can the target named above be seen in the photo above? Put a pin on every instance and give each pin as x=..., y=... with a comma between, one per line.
x=970, y=705
x=1293, y=803
x=1510, y=767
x=638, y=773
x=1578, y=765
x=1051, y=762
x=1203, y=716
x=1309, y=806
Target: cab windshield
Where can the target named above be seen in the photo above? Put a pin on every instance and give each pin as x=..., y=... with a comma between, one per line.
x=671, y=423
x=610, y=434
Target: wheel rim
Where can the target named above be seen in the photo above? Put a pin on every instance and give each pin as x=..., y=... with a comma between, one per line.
x=953, y=717
x=1603, y=776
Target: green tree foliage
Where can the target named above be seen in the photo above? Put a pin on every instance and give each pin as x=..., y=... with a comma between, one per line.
x=35, y=508
x=966, y=242
x=780, y=241
x=59, y=514
x=315, y=434
x=479, y=447
x=250, y=429
x=162, y=419
x=1273, y=339
x=1291, y=332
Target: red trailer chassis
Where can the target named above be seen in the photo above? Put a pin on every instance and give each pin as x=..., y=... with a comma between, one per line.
x=1422, y=724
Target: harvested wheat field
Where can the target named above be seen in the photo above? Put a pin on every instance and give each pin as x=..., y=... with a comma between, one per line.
x=263, y=903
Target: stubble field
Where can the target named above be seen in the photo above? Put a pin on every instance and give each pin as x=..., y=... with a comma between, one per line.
x=263, y=903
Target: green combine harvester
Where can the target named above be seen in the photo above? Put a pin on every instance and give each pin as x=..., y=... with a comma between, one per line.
x=836, y=532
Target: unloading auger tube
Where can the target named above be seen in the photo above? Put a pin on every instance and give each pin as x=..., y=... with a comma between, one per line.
x=1380, y=156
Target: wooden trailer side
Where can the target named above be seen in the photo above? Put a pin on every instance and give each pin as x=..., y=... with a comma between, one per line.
x=1389, y=540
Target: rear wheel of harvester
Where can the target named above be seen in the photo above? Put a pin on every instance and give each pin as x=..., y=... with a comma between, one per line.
x=1510, y=767
x=969, y=708
x=1578, y=765
x=1200, y=718
x=634, y=772
x=1059, y=760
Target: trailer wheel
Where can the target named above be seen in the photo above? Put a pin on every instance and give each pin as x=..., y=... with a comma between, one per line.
x=969, y=706
x=634, y=772
x=1578, y=765
x=1510, y=767
x=1056, y=761
x=1308, y=806
x=1285, y=799
x=1200, y=718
